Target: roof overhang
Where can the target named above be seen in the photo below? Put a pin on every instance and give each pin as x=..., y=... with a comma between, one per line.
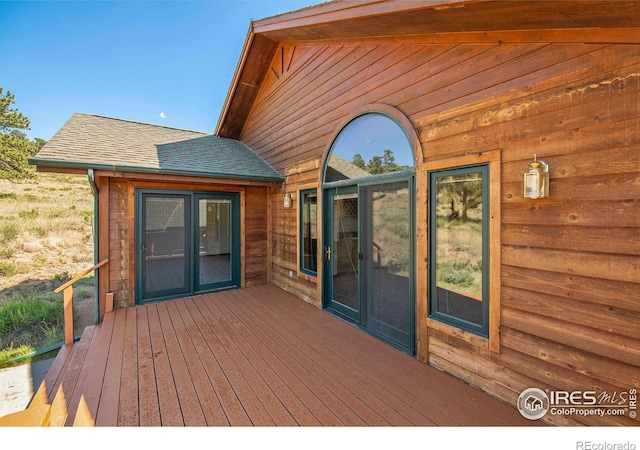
x=436, y=20
x=123, y=171
x=90, y=142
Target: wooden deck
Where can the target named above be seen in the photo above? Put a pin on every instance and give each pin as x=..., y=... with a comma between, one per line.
x=256, y=357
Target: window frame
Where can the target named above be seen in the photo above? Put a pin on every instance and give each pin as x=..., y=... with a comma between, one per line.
x=424, y=323
x=481, y=329
x=301, y=237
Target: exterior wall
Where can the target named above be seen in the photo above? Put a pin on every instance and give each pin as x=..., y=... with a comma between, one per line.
x=569, y=275
x=285, y=250
x=121, y=230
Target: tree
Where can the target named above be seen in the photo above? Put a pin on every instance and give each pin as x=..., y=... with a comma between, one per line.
x=379, y=164
x=464, y=191
x=15, y=147
x=359, y=162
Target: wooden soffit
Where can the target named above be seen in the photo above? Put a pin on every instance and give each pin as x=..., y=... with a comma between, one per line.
x=436, y=19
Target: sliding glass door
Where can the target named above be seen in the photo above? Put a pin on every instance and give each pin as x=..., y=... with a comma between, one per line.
x=187, y=243
x=165, y=247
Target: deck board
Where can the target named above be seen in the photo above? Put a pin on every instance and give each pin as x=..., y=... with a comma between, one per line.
x=170, y=413
x=257, y=356
x=149, y=403
x=309, y=410
x=128, y=403
x=107, y=414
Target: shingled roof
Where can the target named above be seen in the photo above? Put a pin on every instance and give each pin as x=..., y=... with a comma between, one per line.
x=96, y=142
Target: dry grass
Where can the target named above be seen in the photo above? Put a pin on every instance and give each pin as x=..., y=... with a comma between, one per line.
x=45, y=230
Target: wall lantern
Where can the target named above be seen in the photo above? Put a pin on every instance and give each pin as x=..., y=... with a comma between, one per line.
x=535, y=183
x=288, y=200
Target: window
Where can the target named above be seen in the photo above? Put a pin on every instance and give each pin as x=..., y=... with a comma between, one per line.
x=371, y=144
x=459, y=247
x=309, y=232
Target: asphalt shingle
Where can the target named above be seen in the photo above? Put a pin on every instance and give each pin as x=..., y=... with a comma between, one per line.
x=97, y=142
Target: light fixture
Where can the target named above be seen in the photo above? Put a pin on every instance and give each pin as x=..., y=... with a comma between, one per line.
x=288, y=200
x=535, y=182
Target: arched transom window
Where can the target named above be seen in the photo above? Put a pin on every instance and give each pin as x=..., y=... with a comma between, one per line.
x=371, y=144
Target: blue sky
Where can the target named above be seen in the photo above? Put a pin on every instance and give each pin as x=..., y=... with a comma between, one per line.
x=163, y=62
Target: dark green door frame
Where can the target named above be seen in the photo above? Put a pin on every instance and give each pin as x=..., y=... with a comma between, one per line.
x=341, y=246
x=359, y=189
x=178, y=254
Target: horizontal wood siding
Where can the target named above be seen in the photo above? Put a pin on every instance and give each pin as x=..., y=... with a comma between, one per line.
x=255, y=233
x=121, y=242
x=285, y=264
x=570, y=270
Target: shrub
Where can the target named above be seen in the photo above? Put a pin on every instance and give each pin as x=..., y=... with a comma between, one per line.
x=456, y=273
x=8, y=233
x=7, y=269
x=32, y=214
x=7, y=356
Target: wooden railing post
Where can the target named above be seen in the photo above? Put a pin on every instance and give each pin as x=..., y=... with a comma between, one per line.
x=67, y=296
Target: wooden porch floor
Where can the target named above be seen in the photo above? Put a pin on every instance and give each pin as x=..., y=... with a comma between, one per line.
x=256, y=357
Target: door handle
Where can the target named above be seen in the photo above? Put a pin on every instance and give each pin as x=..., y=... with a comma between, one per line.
x=327, y=253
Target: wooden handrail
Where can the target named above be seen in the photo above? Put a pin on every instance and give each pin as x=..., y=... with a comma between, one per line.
x=67, y=296
x=82, y=275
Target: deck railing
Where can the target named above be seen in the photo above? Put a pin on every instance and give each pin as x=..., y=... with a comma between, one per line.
x=67, y=295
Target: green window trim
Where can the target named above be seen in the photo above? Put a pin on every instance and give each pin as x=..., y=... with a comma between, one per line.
x=308, y=232
x=459, y=263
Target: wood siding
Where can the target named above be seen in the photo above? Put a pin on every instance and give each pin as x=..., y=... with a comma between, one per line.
x=285, y=263
x=570, y=271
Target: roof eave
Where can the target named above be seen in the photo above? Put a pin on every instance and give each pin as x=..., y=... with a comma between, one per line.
x=62, y=164
x=328, y=21
x=257, y=51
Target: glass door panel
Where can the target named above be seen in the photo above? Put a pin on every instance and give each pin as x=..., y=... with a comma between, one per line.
x=165, y=245
x=215, y=236
x=386, y=262
x=341, y=255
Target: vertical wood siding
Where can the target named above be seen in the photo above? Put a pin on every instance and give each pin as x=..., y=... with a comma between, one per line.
x=570, y=263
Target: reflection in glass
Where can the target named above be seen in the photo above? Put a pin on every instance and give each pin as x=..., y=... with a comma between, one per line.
x=215, y=240
x=386, y=243
x=459, y=246
x=371, y=144
x=310, y=231
x=345, y=250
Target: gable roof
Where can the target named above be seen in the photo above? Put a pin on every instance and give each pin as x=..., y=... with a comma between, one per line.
x=89, y=141
x=434, y=20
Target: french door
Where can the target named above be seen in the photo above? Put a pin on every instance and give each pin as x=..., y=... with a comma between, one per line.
x=368, y=258
x=187, y=242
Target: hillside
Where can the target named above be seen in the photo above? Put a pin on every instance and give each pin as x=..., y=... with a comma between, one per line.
x=45, y=230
